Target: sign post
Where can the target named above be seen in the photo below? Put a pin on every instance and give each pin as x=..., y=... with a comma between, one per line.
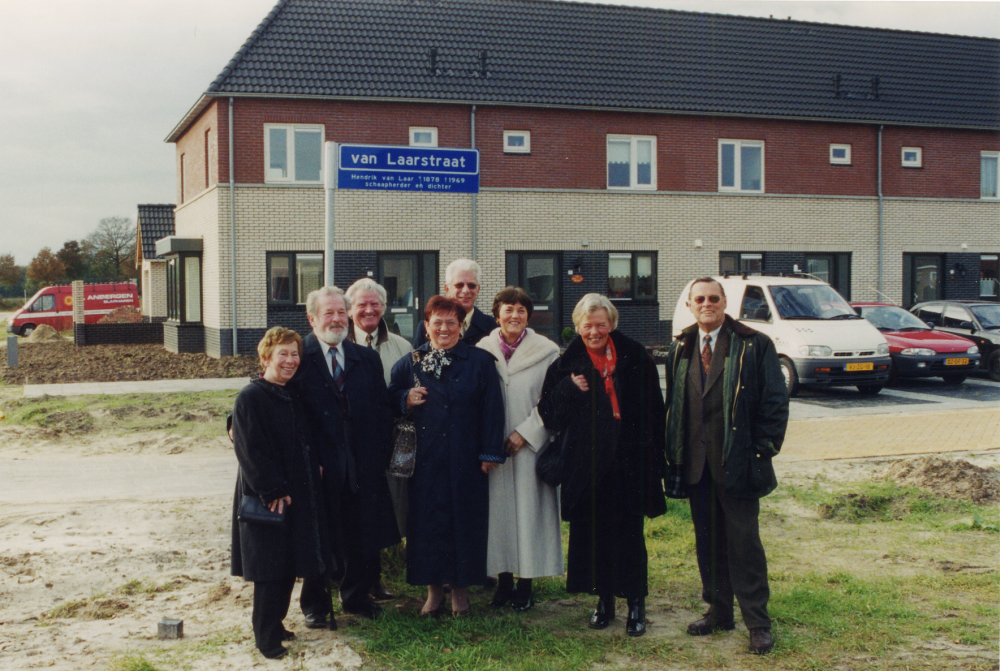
x=330, y=181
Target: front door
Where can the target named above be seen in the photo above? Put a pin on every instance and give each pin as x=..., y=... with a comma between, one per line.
x=410, y=279
x=922, y=277
x=538, y=273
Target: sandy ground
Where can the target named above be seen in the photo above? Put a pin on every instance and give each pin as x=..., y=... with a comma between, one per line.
x=104, y=536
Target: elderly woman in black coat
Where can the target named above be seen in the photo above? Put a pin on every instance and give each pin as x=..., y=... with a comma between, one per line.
x=277, y=466
x=604, y=394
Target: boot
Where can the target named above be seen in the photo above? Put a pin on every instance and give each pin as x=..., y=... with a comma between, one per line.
x=635, y=625
x=603, y=614
x=505, y=590
x=523, y=599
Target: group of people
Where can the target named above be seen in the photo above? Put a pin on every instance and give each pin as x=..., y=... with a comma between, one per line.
x=488, y=399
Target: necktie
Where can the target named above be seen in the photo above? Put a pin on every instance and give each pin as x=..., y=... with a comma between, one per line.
x=706, y=354
x=368, y=340
x=338, y=372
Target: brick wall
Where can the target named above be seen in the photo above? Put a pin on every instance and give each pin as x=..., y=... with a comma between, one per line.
x=183, y=338
x=957, y=287
x=192, y=146
x=140, y=333
x=951, y=167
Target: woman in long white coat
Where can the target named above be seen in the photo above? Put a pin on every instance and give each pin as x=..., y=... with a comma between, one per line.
x=524, y=532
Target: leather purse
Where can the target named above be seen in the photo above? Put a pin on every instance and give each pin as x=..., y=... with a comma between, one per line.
x=253, y=511
x=404, y=439
x=550, y=467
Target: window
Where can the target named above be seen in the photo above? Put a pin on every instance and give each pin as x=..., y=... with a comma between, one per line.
x=922, y=278
x=184, y=288
x=755, y=305
x=957, y=317
x=44, y=303
x=741, y=165
x=421, y=136
x=989, y=179
x=291, y=276
x=517, y=141
x=912, y=157
x=741, y=263
x=834, y=269
x=631, y=162
x=989, y=276
x=840, y=154
x=632, y=275
x=293, y=153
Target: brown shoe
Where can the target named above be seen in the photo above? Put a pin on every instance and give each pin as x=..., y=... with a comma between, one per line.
x=761, y=641
x=707, y=625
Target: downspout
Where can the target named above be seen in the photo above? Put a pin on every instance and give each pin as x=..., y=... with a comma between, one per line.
x=475, y=202
x=880, y=203
x=232, y=225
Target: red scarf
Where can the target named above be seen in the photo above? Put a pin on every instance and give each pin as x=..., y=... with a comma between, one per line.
x=605, y=365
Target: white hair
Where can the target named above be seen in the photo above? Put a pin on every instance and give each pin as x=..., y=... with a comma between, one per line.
x=365, y=284
x=592, y=303
x=460, y=265
x=312, y=300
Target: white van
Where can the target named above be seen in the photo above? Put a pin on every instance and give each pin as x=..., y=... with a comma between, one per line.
x=820, y=339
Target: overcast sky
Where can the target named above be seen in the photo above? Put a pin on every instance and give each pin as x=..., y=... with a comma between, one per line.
x=90, y=88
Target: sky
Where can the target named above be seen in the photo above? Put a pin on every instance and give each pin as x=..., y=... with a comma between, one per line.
x=91, y=89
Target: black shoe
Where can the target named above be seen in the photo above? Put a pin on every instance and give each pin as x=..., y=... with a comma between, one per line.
x=316, y=621
x=761, y=641
x=635, y=625
x=707, y=625
x=505, y=591
x=288, y=635
x=603, y=614
x=519, y=604
x=368, y=609
x=380, y=593
x=275, y=653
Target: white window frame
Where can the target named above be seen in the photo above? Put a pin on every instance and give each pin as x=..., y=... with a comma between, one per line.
x=423, y=129
x=737, y=165
x=290, y=152
x=524, y=149
x=633, y=164
x=918, y=162
x=995, y=155
x=844, y=160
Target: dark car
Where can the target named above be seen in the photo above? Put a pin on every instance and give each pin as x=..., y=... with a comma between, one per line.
x=916, y=349
x=979, y=321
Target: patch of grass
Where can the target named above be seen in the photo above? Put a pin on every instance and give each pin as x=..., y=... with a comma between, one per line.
x=880, y=502
x=134, y=587
x=131, y=661
x=97, y=607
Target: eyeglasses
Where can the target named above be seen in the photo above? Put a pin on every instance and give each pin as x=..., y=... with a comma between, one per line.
x=461, y=285
x=711, y=299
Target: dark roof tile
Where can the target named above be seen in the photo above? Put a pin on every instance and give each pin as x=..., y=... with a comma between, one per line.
x=155, y=222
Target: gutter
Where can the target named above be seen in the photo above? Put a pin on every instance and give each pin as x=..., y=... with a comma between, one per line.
x=232, y=225
x=475, y=196
x=881, y=202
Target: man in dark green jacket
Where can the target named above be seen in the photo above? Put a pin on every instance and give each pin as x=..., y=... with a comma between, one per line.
x=727, y=410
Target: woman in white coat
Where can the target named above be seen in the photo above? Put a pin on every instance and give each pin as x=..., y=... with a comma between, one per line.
x=524, y=532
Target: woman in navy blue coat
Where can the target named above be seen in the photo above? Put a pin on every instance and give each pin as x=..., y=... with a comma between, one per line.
x=458, y=409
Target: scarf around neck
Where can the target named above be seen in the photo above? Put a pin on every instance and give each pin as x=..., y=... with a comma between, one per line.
x=605, y=365
x=435, y=361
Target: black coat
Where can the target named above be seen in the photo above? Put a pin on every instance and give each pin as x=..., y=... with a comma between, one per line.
x=271, y=442
x=626, y=453
x=460, y=425
x=480, y=327
x=353, y=440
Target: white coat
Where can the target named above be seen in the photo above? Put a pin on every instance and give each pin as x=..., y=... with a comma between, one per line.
x=524, y=532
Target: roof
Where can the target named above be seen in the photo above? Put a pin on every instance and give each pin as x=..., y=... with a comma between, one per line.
x=554, y=53
x=154, y=222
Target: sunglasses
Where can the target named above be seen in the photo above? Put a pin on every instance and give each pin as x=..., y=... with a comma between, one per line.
x=461, y=285
x=711, y=299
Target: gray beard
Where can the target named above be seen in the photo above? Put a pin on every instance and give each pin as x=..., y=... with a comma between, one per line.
x=331, y=337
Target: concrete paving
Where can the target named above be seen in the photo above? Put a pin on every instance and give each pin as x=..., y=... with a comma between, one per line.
x=143, y=387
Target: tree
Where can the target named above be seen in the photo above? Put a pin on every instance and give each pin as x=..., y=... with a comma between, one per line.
x=73, y=260
x=45, y=268
x=10, y=274
x=113, y=245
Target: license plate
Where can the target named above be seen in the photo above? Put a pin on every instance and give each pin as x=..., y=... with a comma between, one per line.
x=956, y=362
x=851, y=367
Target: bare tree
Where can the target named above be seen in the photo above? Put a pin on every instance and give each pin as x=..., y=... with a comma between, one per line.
x=45, y=268
x=113, y=245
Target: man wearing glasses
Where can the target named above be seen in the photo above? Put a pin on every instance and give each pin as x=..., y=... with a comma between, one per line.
x=461, y=282
x=727, y=408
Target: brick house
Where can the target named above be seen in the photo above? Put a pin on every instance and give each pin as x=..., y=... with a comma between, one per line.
x=154, y=223
x=622, y=150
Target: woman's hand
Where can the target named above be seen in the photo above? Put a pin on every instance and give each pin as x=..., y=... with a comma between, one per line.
x=278, y=505
x=514, y=443
x=415, y=396
x=488, y=466
x=580, y=381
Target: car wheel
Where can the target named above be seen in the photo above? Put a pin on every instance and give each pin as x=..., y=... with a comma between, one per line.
x=954, y=379
x=869, y=389
x=26, y=330
x=993, y=366
x=791, y=377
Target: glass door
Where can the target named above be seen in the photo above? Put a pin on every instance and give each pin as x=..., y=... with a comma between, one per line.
x=922, y=276
x=410, y=279
x=538, y=273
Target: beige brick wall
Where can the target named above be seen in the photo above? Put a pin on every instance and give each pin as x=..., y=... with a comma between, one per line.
x=154, y=288
x=206, y=217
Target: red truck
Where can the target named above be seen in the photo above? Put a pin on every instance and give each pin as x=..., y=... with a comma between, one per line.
x=54, y=306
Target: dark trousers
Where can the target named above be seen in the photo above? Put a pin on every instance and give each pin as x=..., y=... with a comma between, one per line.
x=315, y=597
x=360, y=570
x=270, y=606
x=607, y=556
x=730, y=555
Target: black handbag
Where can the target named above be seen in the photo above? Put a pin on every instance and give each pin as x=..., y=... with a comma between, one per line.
x=551, y=464
x=404, y=440
x=253, y=511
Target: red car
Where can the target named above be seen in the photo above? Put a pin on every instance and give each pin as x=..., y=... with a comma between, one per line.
x=918, y=350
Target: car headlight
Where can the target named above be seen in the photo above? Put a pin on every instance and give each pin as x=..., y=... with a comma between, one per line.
x=815, y=350
x=918, y=351
x=883, y=349
x=972, y=350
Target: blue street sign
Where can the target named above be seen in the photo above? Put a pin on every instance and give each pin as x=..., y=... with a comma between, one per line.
x=387, y=168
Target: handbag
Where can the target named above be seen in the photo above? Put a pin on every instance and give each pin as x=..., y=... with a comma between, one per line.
x=253, y=510
x=551, y=464
x=404, y=439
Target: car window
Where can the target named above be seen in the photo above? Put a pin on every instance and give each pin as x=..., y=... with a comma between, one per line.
x=955, y=315
x=755, y=305
x=810, y=301
x=891, y=318
x=930, y=313
x=988, y=315
x=44, y=304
